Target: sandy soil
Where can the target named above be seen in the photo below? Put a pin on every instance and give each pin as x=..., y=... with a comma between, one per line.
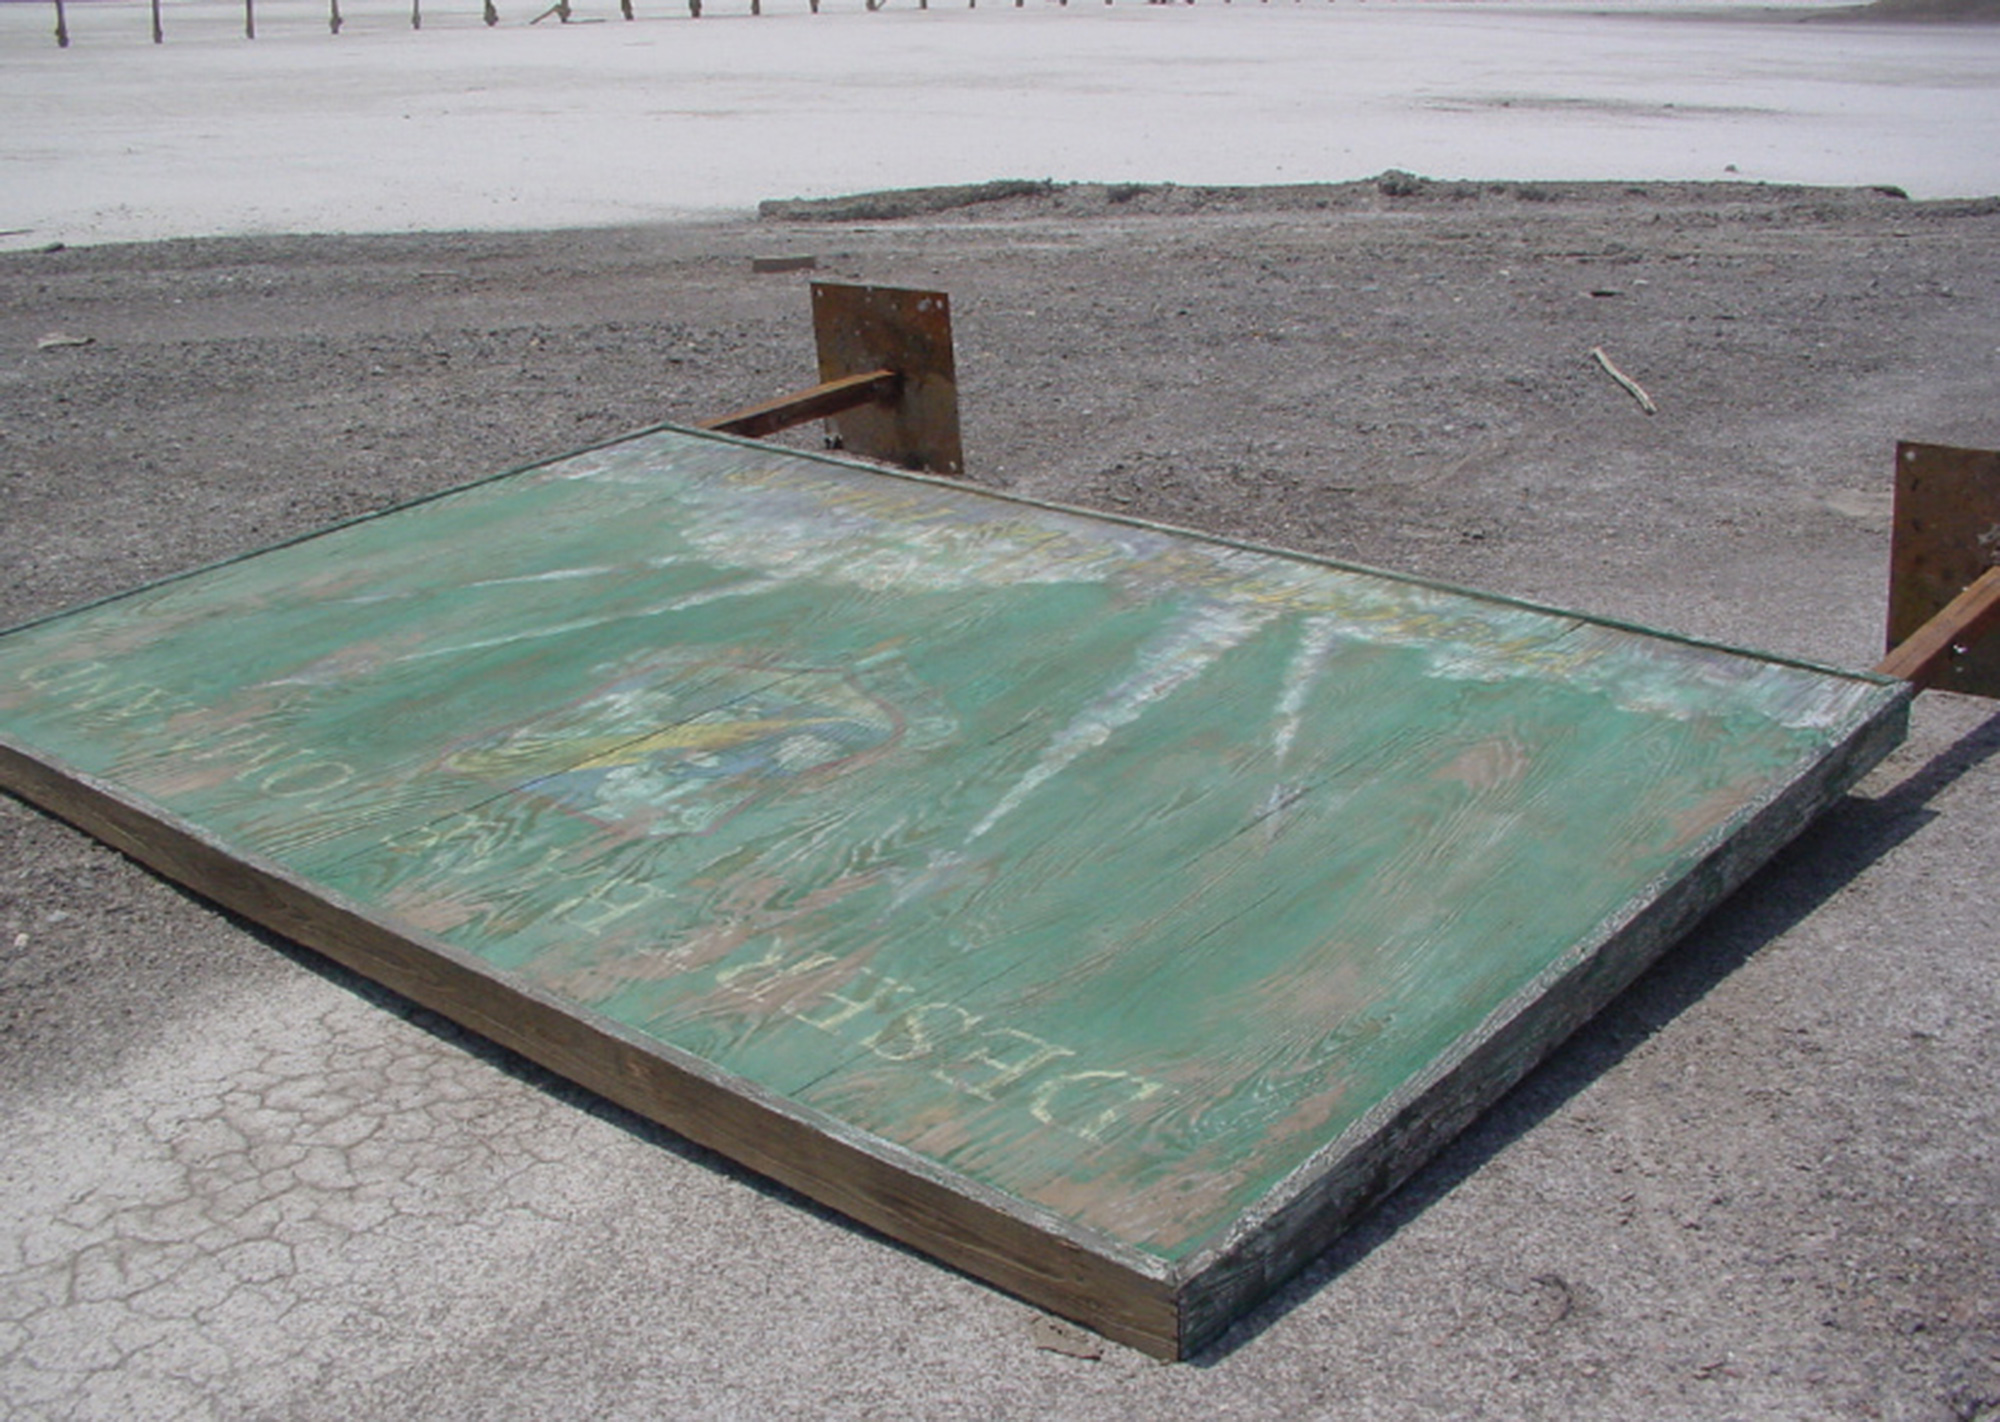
x=1395, y=372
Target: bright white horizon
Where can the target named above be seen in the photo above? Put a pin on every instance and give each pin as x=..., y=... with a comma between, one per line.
x=459, y=126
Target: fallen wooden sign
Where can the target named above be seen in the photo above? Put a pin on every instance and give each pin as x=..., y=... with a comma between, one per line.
x=1109, y=910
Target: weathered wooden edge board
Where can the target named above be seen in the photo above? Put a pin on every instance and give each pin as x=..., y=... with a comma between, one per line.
x=1097, y=1281
x=1304, y=1215
x=1129, y=1296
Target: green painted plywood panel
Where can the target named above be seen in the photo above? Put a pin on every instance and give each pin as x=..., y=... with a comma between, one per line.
x=1146, y=892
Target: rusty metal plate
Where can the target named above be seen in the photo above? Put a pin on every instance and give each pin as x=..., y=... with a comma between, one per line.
x=1947, y=532
x=863, y=328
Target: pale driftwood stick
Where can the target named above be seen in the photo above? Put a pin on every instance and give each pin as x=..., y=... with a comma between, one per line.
x=1631, y=386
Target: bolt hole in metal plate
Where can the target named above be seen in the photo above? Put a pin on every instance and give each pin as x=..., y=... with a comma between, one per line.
x=1946, y=533
x=1109, y=911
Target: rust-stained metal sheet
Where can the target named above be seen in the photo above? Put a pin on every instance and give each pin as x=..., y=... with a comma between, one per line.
x=863, y=328
x=1108, y=910
x=1946, y=534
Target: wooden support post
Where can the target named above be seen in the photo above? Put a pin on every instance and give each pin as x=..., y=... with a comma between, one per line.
x=249, y=19
x=159, y=31
x=333, y=21
x=492, y=15
x=1926, y=656
x=62, y=27
x=827, y=398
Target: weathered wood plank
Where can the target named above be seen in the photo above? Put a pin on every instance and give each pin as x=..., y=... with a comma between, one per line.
x=1108, y=910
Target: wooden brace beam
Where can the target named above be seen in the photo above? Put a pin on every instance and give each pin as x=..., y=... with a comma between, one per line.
x=1925, y=655
x=831, y=397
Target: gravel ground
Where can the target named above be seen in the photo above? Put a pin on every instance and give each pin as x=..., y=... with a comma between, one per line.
x=237, y=1182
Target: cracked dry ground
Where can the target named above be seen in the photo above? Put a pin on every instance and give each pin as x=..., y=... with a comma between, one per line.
x=275, y=1151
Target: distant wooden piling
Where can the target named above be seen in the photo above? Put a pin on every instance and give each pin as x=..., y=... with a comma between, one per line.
x=490, y=13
